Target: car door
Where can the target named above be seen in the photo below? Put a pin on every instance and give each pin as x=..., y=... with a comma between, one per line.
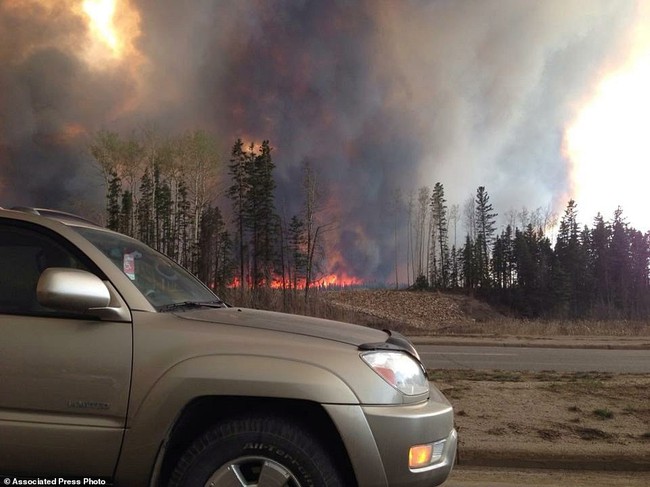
x=64, y=378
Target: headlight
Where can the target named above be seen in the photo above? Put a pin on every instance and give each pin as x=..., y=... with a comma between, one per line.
x=400, y=370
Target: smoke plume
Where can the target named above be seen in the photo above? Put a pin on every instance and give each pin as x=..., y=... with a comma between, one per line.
x=377, y=95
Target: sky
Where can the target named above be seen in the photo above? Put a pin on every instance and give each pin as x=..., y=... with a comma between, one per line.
x=539, y=101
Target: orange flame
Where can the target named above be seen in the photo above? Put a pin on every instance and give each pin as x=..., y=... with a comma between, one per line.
x=329, y=281
x=340, y=280
x=101, y=13
x=114, y=26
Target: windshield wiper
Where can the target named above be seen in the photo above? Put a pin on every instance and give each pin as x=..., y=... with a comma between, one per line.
x=191, y=305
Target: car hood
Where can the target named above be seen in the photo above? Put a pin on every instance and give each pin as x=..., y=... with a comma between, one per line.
x=300, y=325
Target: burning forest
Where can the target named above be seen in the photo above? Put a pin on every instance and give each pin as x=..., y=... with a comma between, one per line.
x=375, y=101
x=160, y=191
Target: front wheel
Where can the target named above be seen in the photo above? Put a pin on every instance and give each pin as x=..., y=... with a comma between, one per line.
x=261, y=451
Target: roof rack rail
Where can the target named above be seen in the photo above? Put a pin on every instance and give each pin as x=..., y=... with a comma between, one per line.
x=53, y=214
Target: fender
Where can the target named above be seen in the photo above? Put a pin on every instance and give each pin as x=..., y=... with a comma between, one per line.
x=217, y=375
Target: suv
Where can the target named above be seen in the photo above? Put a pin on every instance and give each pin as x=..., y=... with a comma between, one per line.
x=118, y=366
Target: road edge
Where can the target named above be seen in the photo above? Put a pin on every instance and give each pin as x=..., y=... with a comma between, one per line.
x=475, y=457
x=582, y=342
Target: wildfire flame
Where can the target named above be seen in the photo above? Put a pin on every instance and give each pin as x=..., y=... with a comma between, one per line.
x=341, y=280
x=328, y=281
x=113, y=26
x=101, y=13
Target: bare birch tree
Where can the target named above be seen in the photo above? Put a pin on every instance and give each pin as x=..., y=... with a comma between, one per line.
x=396, y=209
x=312, y=206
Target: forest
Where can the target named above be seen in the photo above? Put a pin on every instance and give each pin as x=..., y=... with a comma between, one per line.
x=162, y=190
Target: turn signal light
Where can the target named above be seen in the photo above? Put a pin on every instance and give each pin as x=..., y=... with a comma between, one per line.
x=420, y=456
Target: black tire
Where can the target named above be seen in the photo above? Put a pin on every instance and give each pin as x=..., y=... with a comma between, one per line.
x=241, y=452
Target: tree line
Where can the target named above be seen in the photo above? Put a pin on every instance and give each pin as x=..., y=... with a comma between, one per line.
x=600, y=271
x=164, y=191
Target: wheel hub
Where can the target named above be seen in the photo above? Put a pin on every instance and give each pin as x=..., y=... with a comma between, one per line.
x=252, y=471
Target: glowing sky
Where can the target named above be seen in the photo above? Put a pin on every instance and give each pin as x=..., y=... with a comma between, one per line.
x=608, y=143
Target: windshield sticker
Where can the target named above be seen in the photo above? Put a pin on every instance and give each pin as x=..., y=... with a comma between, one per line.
x=129, y=266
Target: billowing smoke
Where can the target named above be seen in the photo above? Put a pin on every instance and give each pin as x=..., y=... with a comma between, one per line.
x=50, y=99
x=376, y=95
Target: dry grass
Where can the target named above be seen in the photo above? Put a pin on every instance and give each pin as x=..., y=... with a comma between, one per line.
x=572, y=380
x=512, y=326
x=316, y=305
x=425, y=313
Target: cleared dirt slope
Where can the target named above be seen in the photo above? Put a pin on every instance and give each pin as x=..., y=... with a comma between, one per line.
x=412, y=311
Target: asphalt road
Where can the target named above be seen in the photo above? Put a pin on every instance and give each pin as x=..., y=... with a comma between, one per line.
x=534, y=359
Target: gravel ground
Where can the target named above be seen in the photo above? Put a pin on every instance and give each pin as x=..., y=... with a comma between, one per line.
x=503, y=477
x=549, y=420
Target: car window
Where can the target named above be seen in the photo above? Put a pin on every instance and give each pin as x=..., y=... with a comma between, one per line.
x=157, y=277
x=24, y=254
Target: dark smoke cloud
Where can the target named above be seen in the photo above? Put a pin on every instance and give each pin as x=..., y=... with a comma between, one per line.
x=51, y=101
x=377, y=95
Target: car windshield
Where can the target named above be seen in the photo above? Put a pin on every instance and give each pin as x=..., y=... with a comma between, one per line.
x=165, y=284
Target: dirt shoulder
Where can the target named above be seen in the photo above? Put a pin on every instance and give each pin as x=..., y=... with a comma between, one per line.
x=463, y=476
x=591, y=421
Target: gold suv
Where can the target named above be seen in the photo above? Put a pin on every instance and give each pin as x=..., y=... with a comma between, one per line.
x=118, y=367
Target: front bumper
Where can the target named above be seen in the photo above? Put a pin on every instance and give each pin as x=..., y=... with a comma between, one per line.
x=378, y=439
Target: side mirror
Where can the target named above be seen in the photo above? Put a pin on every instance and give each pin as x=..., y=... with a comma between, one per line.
x=71, y=290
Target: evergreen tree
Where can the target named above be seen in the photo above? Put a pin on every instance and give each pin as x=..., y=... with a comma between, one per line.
x=499, y=262
x=238, y=192
x=227, y=265
x=297, y=252
x=165, y=241
x=640, y=263
x=469, y=273
x=620, y=262
x=210, y=248
x=525, y=271
x=570, y=263
x=485, y=221
x=504, y=260
x=262, y=220
x=145, y=210
x=439, y=218
x=533, y=257
x=600, y=265
x=126, y=214
x=113, y=197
